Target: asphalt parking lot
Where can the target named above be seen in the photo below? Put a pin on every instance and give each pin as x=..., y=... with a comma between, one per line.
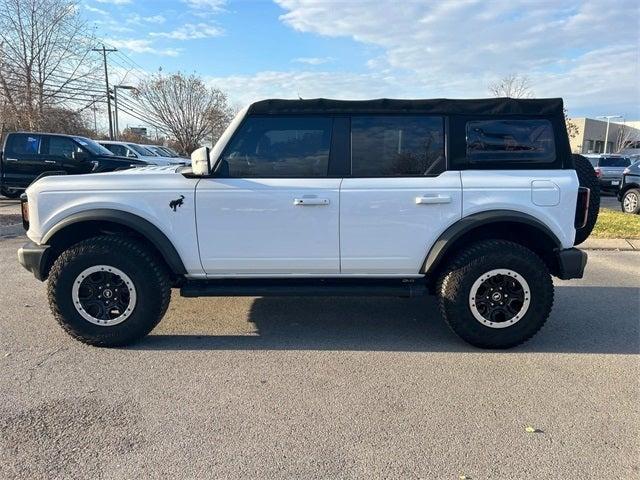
x=324, y=388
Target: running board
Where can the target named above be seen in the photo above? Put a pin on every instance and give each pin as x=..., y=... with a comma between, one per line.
x=303, y=287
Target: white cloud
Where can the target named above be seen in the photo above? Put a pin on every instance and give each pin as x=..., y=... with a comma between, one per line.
x=114, y=2
x=313, y=60
x=143, y=46
x=91, y=9
x=456, y=48
x=206, y=4
x=191, y=31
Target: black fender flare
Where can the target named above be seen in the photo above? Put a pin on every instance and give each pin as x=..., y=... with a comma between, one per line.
x=444, y=242
x=136, y=223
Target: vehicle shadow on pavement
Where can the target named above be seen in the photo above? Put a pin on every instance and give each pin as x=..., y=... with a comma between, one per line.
x=583, y=320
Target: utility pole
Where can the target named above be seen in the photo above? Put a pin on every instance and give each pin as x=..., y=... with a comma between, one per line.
x=95, y=118
x=104, y=51
x=115, y=103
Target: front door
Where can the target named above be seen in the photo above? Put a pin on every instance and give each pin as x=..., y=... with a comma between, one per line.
x=272, y=209
x=399, y=197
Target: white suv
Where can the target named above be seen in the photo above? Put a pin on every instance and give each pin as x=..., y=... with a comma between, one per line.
x=476, y=201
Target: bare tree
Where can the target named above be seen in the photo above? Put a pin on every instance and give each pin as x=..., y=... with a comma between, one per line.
x=572, y=129
x=185, y=107
x=512, y=86
x=45, y=59
x=625, y=137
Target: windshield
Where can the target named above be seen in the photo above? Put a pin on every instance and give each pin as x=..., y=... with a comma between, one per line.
x=171, y=152
x=145, y=152
x=93, y=146
x=614, y=162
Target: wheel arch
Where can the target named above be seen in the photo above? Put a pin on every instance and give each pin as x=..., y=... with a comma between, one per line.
x=510, y=225
x=88, y=223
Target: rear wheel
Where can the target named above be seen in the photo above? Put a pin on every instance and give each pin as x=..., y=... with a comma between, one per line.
x=496, y=294
x=108, y=291
x=631, y=201
x=587, y=178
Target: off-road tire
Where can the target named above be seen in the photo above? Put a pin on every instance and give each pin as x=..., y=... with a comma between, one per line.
x=631, y=191
x=10, y=193
x=587, y=178
x=140, y=264
x=456, y=281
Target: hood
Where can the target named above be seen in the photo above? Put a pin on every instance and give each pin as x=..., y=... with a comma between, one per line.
x=115, y=158
x=142, y=178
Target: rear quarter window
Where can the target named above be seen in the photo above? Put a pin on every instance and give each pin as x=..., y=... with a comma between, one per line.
x=517, y=140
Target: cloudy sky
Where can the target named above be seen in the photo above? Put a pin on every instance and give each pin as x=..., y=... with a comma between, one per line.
x=585, y=51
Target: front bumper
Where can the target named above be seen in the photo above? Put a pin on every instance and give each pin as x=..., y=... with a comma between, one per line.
x=571, y=263
x=34, y=258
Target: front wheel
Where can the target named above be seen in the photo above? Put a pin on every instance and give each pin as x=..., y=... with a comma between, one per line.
x=631, y=201
x=108, y=291
x=495, y=294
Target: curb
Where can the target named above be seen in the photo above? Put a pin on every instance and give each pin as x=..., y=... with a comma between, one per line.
x=620, y=244
x=14, y=230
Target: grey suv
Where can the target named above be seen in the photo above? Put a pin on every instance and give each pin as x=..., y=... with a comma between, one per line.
x=609, y=170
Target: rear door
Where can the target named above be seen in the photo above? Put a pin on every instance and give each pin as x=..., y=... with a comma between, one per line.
x=23, y=159
x=272, y=209
x=399, y=197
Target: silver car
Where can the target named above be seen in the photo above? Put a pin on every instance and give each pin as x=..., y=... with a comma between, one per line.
x=609, y=170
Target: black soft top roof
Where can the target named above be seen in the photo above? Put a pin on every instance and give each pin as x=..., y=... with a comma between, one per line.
x=441, y=106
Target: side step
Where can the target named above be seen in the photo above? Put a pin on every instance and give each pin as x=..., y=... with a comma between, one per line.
x=303, y=287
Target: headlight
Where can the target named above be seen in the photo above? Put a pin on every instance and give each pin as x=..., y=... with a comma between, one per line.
x=626, y=170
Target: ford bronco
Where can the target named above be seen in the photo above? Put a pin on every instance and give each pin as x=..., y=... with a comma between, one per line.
x=476, y=201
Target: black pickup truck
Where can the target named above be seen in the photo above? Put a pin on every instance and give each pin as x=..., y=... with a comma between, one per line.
x=27, y=155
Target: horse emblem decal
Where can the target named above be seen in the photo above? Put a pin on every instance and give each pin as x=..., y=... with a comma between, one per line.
x=178, y=202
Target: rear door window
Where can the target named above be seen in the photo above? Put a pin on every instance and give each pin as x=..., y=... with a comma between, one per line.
x=279, y=147
x=24, y=144
x=397, y=146
x=510, y=141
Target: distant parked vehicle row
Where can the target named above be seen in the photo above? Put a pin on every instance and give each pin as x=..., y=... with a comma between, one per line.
x=629, y=194
x=27, y=155
x=141, y=152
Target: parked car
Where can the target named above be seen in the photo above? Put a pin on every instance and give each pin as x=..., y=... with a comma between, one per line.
x=629, y=194
x=476, y=201
x=27, y=155
x=609, y=170
x=167, y=152
x=133, y=150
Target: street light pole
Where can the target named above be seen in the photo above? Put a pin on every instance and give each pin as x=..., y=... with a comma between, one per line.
x=606, y=135
x=115, y=103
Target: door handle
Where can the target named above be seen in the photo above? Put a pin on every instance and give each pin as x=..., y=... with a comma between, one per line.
x=433, y=199
x=10, y=159
x=50, y=161
x=310, y=201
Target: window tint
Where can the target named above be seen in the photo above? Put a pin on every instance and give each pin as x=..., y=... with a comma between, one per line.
x=273, y=147
x=614, y=162
x=62, y=147
x=23, y=144
x=119, y=150
x=397, y=146
x=510, y=141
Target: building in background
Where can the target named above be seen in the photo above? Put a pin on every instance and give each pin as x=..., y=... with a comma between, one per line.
x=592, y=132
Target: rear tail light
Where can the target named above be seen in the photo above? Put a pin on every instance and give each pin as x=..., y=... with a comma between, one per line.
x=582, y=207
x=598, y=172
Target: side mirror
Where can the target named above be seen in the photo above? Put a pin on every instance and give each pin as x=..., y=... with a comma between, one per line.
x=200, y=162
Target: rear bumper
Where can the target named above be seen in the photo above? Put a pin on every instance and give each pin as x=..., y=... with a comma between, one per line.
x=571, y=263
x=34, y=257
